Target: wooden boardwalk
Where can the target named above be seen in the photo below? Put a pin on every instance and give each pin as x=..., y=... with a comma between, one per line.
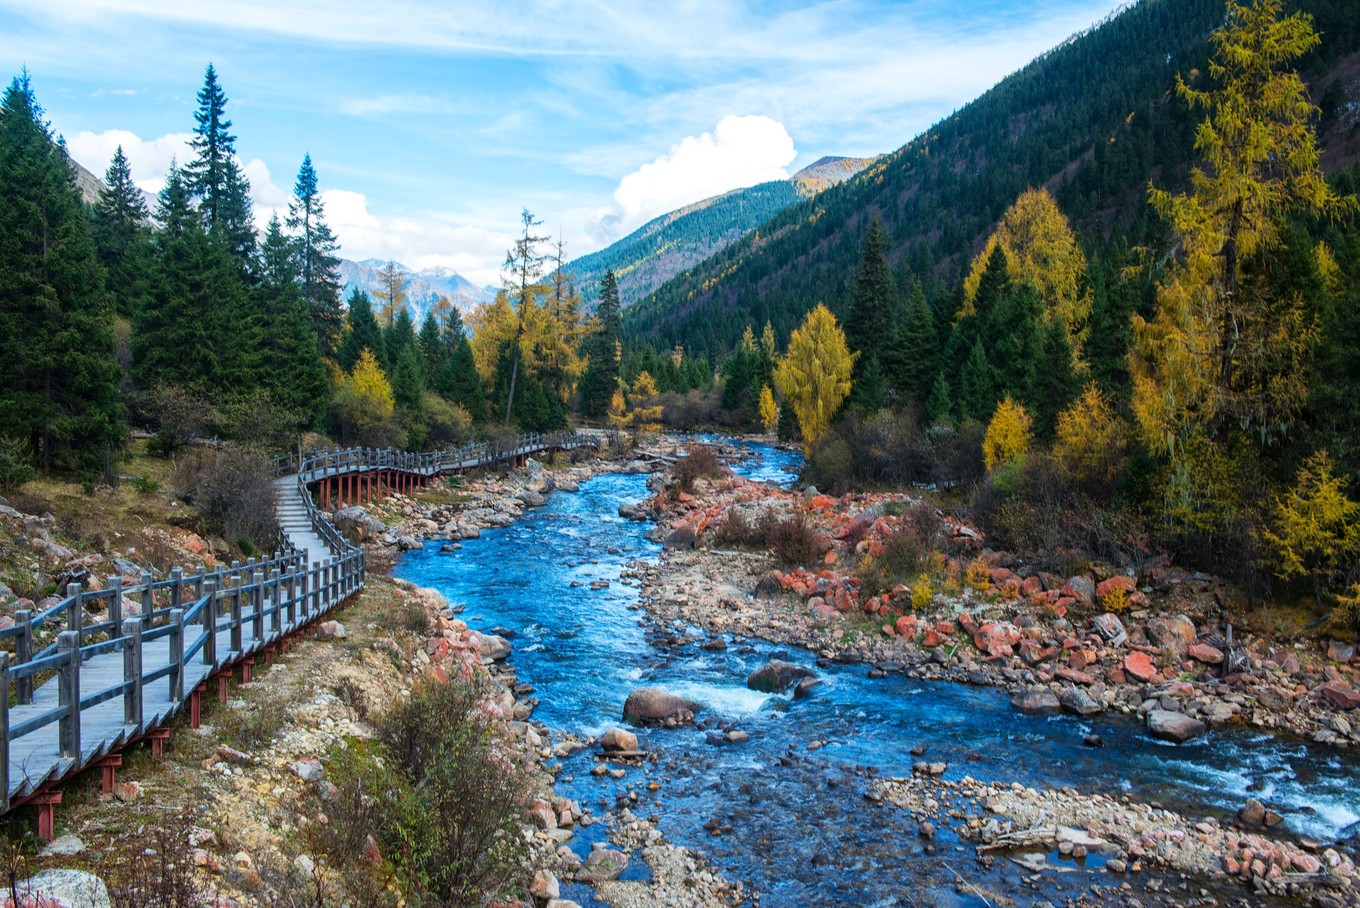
x=103, y=685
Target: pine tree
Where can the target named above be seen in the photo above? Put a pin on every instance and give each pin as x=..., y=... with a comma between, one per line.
x=435, y=350
x=1055, y=383
x=978, y=394
x=408, y=383
x=939, y=405
x=601, y=349
x=289, y=365
x=196, y=328
x=524, y=266
x=318, y=264
x=911, y=363
x=464, y=383
x=216, y=178
x=398, y=337
x=122, y=236
x=362, y=332
x=60, y=390
x=874, y=306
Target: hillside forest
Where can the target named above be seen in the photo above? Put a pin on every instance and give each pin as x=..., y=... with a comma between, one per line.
x=1126, y=335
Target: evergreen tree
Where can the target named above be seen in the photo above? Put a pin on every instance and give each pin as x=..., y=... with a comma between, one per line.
x=399, y=336
x=318, y=264
x=1055, y=383
x=60, y=390
x=435, y=350
x=873, y=302
x=216, y=177
x=408, y=382
x=977, y=396
x=1013, y=340
x=601, y=377
x=464, y=382
x=910, y=362
x=391, y=294
x=288, y=364
x=195, y=328
x=122, y=236
x=871, y=393
x=362, y=334
x=939, y=405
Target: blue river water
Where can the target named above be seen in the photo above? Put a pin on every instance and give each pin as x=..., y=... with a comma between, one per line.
x=792, y=821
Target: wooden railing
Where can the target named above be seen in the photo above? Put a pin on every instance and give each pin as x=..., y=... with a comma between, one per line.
x=187, y=627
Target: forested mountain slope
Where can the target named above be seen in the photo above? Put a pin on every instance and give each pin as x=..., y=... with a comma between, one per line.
x=681, y=239
x=1094, y=120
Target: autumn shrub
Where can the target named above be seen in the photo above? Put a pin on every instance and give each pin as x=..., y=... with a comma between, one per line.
x=442, y=793
x=180, y=415
x=921, y=593
x=699, y=462
x=909, y=551
x=157, y=870
x=794, y=541
x=234, y=491
x=888, y=448
x=737, y=531
x=830, y=465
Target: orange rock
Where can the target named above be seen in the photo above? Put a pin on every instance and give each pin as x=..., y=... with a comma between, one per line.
x=1140, y=666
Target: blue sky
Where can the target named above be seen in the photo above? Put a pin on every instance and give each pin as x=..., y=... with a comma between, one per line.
x=431, y=124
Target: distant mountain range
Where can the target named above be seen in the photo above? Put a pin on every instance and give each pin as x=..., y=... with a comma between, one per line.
x=423, y=288
x=673, y=243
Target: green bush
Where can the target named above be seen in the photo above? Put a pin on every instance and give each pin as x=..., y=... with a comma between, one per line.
x=146, y=485
x=442, y=793
x=16, y=464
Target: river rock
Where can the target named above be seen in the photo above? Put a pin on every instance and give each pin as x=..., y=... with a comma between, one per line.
x=358, y=525
x=1036, y=701
x=1111, y=628
x=1203, y=652
x=776, y=676
x=531, y=499
x=1140, y=666
x=1341, y=696
x=651, y=706
x=1340, y=652
x=493, y=647
x=545, y=886
x=617, y=740
x=1078, y=702
x=1175, y=634
x=1172, y=726
x=603, y=864
x=65, y=888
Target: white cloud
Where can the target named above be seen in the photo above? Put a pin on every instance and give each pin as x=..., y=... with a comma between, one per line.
x=739, y=152
x=268, y=196
x=149, y=158
x=427, y=241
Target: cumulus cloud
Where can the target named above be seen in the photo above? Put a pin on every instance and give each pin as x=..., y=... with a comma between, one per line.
x=269, y=197
x=425, y=241
x=739, y=152
x=149, y=158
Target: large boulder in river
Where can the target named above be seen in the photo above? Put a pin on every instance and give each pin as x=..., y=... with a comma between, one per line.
x=652, y=706
x=1078, y=702
x=1036, y=701
x=617, y=740
x=1174, y=726
x=776, y=676
x=358, y=525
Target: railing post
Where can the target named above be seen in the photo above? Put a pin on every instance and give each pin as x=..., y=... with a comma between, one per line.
x=4, y=732
x=23, y=654
x=148, y=597
x=132, y=674
x=198, y=583
x=257, y=621
x=75, y=614
x=68, y=693
x=297, y=586
x=276, y=607
x=176, y=588
x=177, y=655
x=236, y=614
x=209, y=618
x=116, y=606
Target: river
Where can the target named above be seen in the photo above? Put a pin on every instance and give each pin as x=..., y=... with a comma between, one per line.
x=791, y=821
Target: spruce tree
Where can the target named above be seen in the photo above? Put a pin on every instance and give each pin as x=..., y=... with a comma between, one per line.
x=1055, y=383
x=910, y=365
x=288, y=364
x=977, y=396
x=362, y=333
x=197, y=327
x=318, y=264
x=464, y=382
x=939, y=405
x=60, y=393
x=408, y=381
x=435, y=350
x=122, y=236
x=397, y=338
x=601, y=377
x=873, y=302
x=216, y=178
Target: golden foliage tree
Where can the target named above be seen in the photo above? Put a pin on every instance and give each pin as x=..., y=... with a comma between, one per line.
x=1316, y=530
x=491, y=326
x=364, y=403
x=645, y=414
x=1008, y=435
x=391, y=292
x=814, y=375
x=1091, y=439
x=1041, y=250
x=769, y=410
x=1218, y=355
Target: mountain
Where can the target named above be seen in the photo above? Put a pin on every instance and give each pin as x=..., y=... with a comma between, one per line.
x=1094, y=120
x=423, y=288
x=671, y=243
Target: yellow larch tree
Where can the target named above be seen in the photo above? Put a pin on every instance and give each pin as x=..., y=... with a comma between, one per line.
x=769, y=410
x=814, y=375
x=1041, y=250
x=1316, y=531
x=1008, y=435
